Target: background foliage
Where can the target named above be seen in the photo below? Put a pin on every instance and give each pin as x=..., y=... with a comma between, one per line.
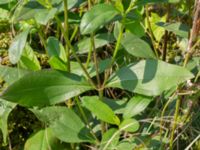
x=99, y=74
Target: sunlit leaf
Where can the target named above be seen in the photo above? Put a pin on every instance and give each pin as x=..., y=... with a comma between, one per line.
x=17, y=46
x=149, y=77
x=98, y=16
x=45, y=87
x=99, y=109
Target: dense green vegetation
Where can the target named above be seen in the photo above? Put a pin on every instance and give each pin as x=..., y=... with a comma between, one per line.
x=99, y=74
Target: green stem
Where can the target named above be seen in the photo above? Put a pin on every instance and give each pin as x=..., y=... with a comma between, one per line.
x=74, y=33
x=119, y=38
x=74, y=53
x=95, y=59
x=40, y=33
x=115, y=52
x=89, y=56
x=89, y=4
x=66, y=29
x=178, y=102
x=189, y=53
x=150, y=31
x=163, y=112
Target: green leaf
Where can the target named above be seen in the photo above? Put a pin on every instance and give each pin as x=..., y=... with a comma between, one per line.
x=45, y=88
x=136, y=105
x=65, y=124
x=144, y=2
x=129, y=125
x=158, y=31
x=10, y=74
x=57, y=64
x=5, y=1
x=106, y=137
x=125, y=145
x=136, y=47
x=177, y=28
x=135, y=27
x=28, y=11
x=98, y=16
x=5, y=109
x=100, y=40
x=45, y=15
x=118, y=106
x=4, y=14
x=149, y=77
x=17, y=46
x=100, y=109
x=55, y=48
x=29, y=60
x=43, y=140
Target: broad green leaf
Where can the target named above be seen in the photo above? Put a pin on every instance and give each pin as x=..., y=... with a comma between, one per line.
x=57, y=64
x=135, y=27
x=106, y=137
x=28, y=11
x=45, y=15
x=129, y=125
x=102, y=39
x=125, y=145
x=149, y=77
x=55, y=48
x=17, y=46
x=118, y=106
x=136, y=47
x=65, y=124
x=29, y=60
x=98, y=16
x=43, y=140
x=46, y=87
x=177, y=28
x=136, y=105
x=5, y=109
x=158, y=31
x=10, y=74
x=100, y=109
x=118, y=4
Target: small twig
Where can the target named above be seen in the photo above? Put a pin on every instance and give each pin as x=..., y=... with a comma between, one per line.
x=166, y=36
x=195, y=27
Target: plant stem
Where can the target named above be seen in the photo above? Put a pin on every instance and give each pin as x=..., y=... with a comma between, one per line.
x=40, y=33
x=117, y=44
x=151, y=35
x=66, y=29
x=195, y=27
x=74, y=33
x=74, y=53
x=89, y=4
x=95, y=59
x=115, y=52
x=89, y=56
x=164, y=52
x=178, y=102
